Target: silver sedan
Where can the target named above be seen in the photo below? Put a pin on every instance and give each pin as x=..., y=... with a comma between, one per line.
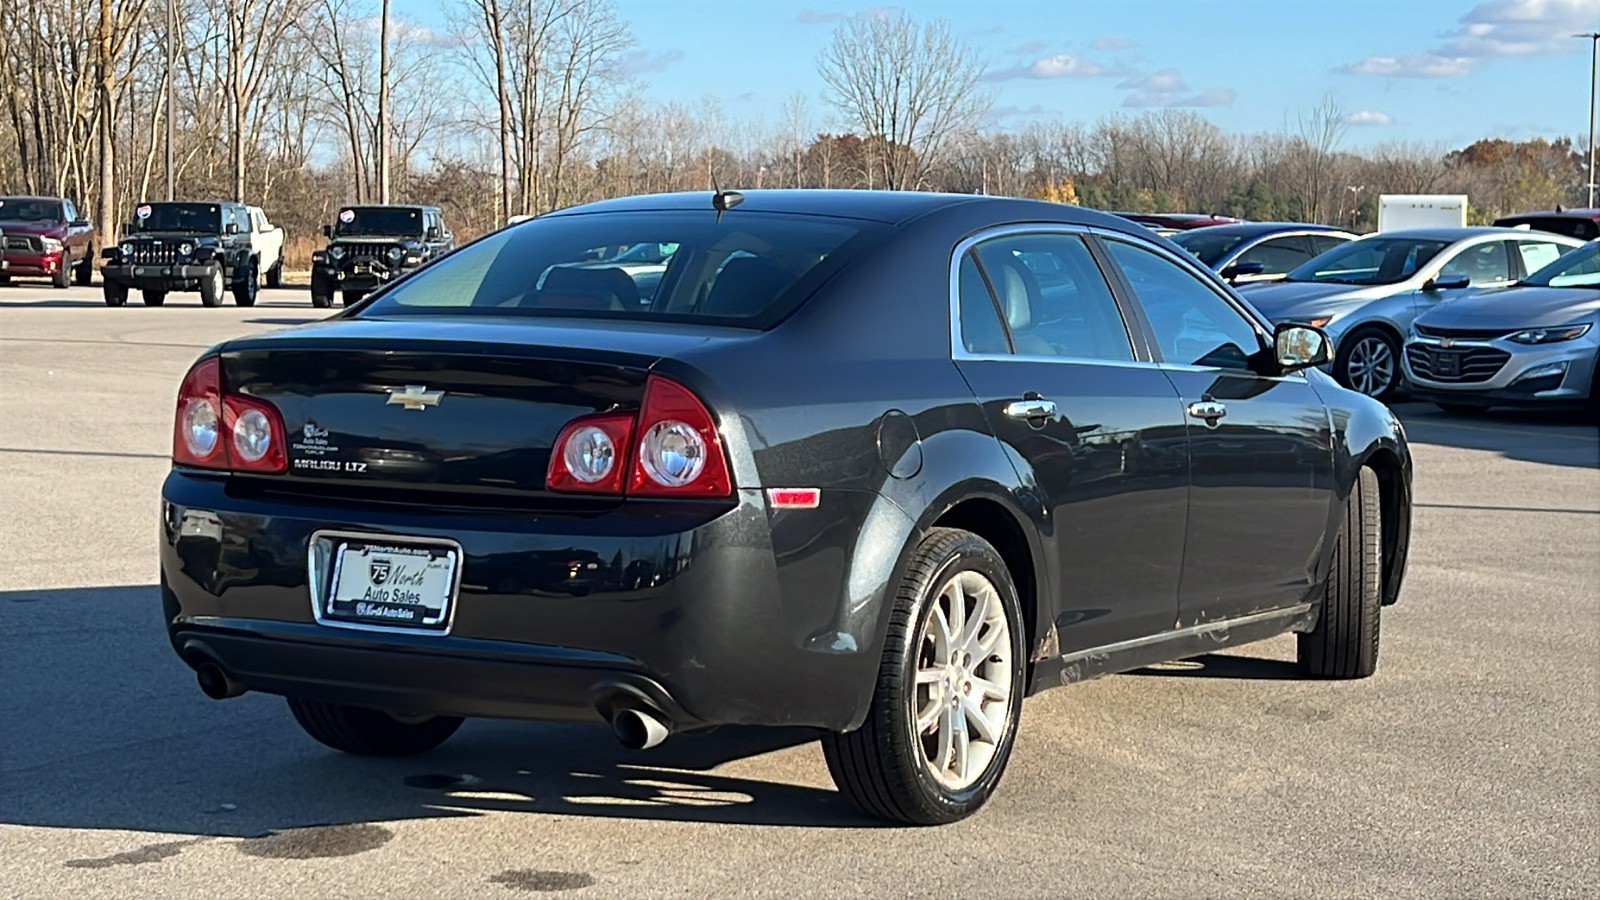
x=1365, y=294
x=1534, y=345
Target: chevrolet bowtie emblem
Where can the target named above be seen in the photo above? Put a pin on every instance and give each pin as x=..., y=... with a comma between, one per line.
x=1446, y=342
x=415, y=396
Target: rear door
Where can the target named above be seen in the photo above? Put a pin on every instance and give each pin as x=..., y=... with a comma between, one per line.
x=1260, y=448
x=1098, y=430
x=1276, y=255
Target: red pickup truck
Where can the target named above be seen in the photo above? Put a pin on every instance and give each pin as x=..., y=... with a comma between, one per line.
x=45, y=238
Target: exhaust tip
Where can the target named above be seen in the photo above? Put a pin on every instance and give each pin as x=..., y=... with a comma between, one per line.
x=215, y=683
x=639, y=729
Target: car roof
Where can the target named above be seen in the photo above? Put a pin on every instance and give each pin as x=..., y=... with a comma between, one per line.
x=1450, y=234
x=30, y=197
x=387, y=206
x=1585, y=213
x=1253, y=229
x=889, y=207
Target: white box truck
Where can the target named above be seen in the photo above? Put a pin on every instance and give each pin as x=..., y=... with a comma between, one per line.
x=1396, y=211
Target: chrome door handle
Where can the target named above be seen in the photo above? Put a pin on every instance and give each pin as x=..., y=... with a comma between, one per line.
x=1031, y=409
x=1210, y=410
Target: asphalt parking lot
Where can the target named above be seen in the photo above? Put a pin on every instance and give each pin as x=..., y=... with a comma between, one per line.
x=1469, y=766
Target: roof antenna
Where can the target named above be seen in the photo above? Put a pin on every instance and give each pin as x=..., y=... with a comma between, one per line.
x=722, y=200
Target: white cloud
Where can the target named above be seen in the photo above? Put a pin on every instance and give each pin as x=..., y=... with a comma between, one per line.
x=1164, y=81
x=641, y=62
x=1492, y=29
x=1367, y=117
x=1057, y=65
x=1167, y=88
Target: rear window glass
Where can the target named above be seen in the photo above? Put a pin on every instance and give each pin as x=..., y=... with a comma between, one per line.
x=197, y=217
x=746, y=269
x=378, y=220
x=1571, y=226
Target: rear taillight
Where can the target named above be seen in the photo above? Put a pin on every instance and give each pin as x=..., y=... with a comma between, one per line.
x=214, y=430
x=671, y=449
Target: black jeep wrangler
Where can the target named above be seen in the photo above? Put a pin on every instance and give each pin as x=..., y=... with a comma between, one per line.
x=370, y=246
x=169, y=247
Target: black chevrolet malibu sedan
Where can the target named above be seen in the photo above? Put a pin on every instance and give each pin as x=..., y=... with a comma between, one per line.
x=880, y=464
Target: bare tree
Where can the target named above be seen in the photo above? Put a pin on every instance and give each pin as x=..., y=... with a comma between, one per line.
x=910, y=88
x=1314, y=139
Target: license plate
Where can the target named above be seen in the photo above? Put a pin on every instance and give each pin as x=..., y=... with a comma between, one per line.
x=391, y=585
x=1447, y=364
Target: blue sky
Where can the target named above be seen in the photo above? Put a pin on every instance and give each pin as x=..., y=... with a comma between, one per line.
x=1437, y=71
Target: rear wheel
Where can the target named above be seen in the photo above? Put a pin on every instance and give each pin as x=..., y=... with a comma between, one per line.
x=1369, y=362
x=211, y=286
x=351, y=298
x=153, y=298
x=371, y=732
x=84, y=274
x=61, y=279
x=1344, y=643
x=116, y=294
x=245, y=285
x=275, y=275
x=944, y=714
x=321, y=290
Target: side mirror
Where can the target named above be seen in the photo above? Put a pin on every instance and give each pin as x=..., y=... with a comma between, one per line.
x=1297, y=347
x=1447, y=281
x=80, y=223
x=1239, y=270
x=230, y=228
x=327, y=231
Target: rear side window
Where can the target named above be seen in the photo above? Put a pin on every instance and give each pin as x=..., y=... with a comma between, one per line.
x=1321, y=243
x=1276, y=256
x=1051, y=296
x=746, y=269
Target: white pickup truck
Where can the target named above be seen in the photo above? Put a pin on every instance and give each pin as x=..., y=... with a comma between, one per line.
x=266, y=239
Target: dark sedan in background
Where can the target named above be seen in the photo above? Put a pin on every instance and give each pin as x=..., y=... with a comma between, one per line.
x=1533, y=345
x=1250, y=252
x=875, y=463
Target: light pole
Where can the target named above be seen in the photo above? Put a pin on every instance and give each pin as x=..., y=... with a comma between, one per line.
x=1594, y=58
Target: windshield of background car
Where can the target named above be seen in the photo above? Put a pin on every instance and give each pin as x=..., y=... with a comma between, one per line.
x=359, y=221
x=1579, y=268
x=17, y=209
x=1208, y=248
x=197, y=217
x=1374, y=260
x=748, y=269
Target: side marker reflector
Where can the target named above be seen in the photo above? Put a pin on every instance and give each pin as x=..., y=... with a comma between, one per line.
x=794, y=498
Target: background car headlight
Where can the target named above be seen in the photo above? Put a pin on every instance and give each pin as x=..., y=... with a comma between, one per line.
x=185, y=249
x=336, y=252
x=395, y=255
x=1549, y=335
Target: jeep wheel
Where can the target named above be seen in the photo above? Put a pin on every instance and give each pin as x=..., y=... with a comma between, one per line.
x=116, y=294
x=351, y=298
x=371, y=732
x=61, y=279
x=84, y=274
x=245, y=287
x=1344, y=643
x=153, y=297
x=321, y=289
x=211, y=286
x=944, y=713
x=275, y=275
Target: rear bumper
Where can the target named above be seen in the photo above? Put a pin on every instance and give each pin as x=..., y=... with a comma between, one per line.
x=558, y=617
x=158, y=277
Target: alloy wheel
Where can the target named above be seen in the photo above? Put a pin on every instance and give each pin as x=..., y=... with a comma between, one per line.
x=1370, y=368
x=963, y=681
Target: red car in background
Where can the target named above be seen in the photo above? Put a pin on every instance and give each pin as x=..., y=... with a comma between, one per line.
x=45, y=238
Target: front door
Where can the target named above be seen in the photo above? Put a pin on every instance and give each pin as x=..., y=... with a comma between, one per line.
x=1097, y=432
x=1260, y=448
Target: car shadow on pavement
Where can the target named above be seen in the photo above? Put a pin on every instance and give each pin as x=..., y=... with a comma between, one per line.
x=104, y=728
x=1218, y=665
x=1557, y=439
x=306, y=320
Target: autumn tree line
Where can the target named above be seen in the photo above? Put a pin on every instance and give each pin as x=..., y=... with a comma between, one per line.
x=523, y=106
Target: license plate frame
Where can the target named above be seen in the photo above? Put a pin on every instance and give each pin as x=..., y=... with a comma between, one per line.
x=329, y=559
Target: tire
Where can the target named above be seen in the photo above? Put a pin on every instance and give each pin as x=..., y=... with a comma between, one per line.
x=153, y=298
x=246, y=286
x=116, y=293
x=211, y=287
x=351, y=298
x=1591, y=405
x=1359, y=364
x=1344, y=643
x=321, y=290
x=370, y=732
x=275, y=275
x=84, y=273
x=886, y=766
x=1462, y=409
x=62, y=278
